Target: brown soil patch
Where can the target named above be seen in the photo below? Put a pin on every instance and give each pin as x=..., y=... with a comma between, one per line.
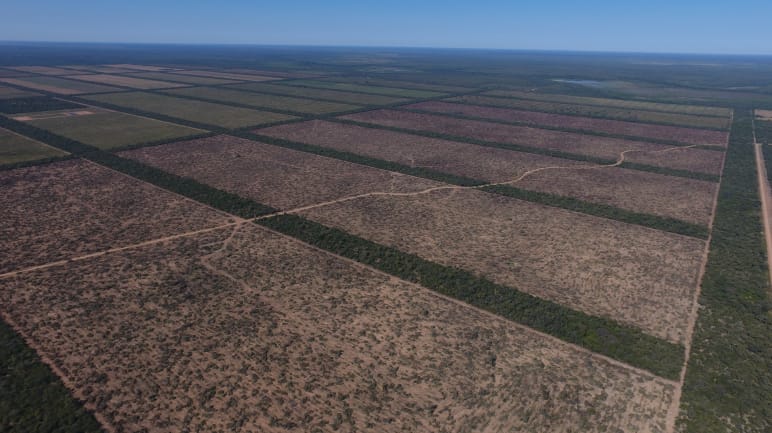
x=52, y=115
x=477, y=162
x=272, y=175
x=71, y=208
x=764, y=114
x=661, y=132
x=582, y=144
x=629, y=273
x=269, y=335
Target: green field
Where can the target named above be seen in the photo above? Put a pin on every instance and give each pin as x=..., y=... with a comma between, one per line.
x=618, y=103
x=286, y=103
x=15, y=148
x=631, y=115
x=332, y=95
x=353, y=87
x=196, y=111
x=177, y=78
x=109, y=129
x=57, y=85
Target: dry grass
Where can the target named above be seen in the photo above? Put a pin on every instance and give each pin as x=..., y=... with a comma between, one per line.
x=70, y=208
x=227, y=75
x=272, y=336
x=45, y=70
x=632, y=274
x=477, y=162
x=603, y=147
x=764, y=114
x=272, y=175
x=658, y=132
x=135, y=83
x=58, y=85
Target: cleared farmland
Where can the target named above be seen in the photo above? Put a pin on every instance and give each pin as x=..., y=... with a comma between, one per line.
x=370, y=81
x=196, y=111
x=109, y=129
x=250, y=331
x=227, y=75
x=287, y=103
x=12, y=92
x=15, y=148
x=332, y=95
x=686, y=199
x=353, y=87
x=135, y=83
x=141, y=67
x=70, y=208
x=658, y=132
x=279, y=177
x=603, y=147
x=638, y=276
x=177, y=78
x=478, y=162
x=627, y=114
x=99, y=69
x=44, y=70
x=763, y=114
x=58, y=85
x=619, y=103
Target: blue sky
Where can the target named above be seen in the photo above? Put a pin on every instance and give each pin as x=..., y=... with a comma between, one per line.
x=683, y=26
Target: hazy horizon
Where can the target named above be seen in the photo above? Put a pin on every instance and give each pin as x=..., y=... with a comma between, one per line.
x=657, y=27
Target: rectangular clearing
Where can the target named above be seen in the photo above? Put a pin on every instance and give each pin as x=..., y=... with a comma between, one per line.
x=177, y=78
x=618, y=127
x=369, y=81
x=197, y=111
x=71, y=208
x=634, y=275
x=160, y=337
x=699, y=110
x=227, y=75
x=12, y=93
x=108, y=129
x=135, y=83
x=627, y=114
x=332, y=95
x=697, y=160
x=44, y=70
x=353, y=87
x=59, y=86
x=272, y=175
x=287, y=103
x=16, y=148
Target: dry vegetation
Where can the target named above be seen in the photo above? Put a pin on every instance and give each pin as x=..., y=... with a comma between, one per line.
x=45, y=70
x=227, y=75
x=135, y=83
x=58, y=85
x=629, y=273
x=279, y=177
x=463, y=159
x=268, y=335
x=603, y=147
x=12, y=92
x=659, y=132
x=71, y=208
x=764, y=114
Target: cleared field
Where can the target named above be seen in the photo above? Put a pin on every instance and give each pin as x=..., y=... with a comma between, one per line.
x=162, y=337
x=109, y=129
x=627, y=114
x=257, y=100
x=10, y=73
x=763, y=114
x=463, y=159
x=16, y=148
x=631, y=274
x=196, y=111
x=353, y=87
x=70, y=208
x=650, y=193
x=11, y=93
x=166, y=76
x=684, y=199
x=269, y=73
x=333, y=95
x=227, y=75
x=279, y=177
x=604, y=147
x=135, y=83
x=403, y=84
x=620, y=103
x=99, y=69
x=45, y=70
x=657, y=132
x=60, y=86
x=141, y=67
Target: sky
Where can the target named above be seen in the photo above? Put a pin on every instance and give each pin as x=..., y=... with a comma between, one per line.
x=674, y=26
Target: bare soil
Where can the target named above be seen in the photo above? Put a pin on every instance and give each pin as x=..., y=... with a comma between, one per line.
x=60, y=210
x=251, y=332
x=603, y=147
x=632, y=274
x=279, y=177
x=662, y=132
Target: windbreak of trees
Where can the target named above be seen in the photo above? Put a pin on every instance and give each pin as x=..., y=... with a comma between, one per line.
x=600, y=335
x=727, y=386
